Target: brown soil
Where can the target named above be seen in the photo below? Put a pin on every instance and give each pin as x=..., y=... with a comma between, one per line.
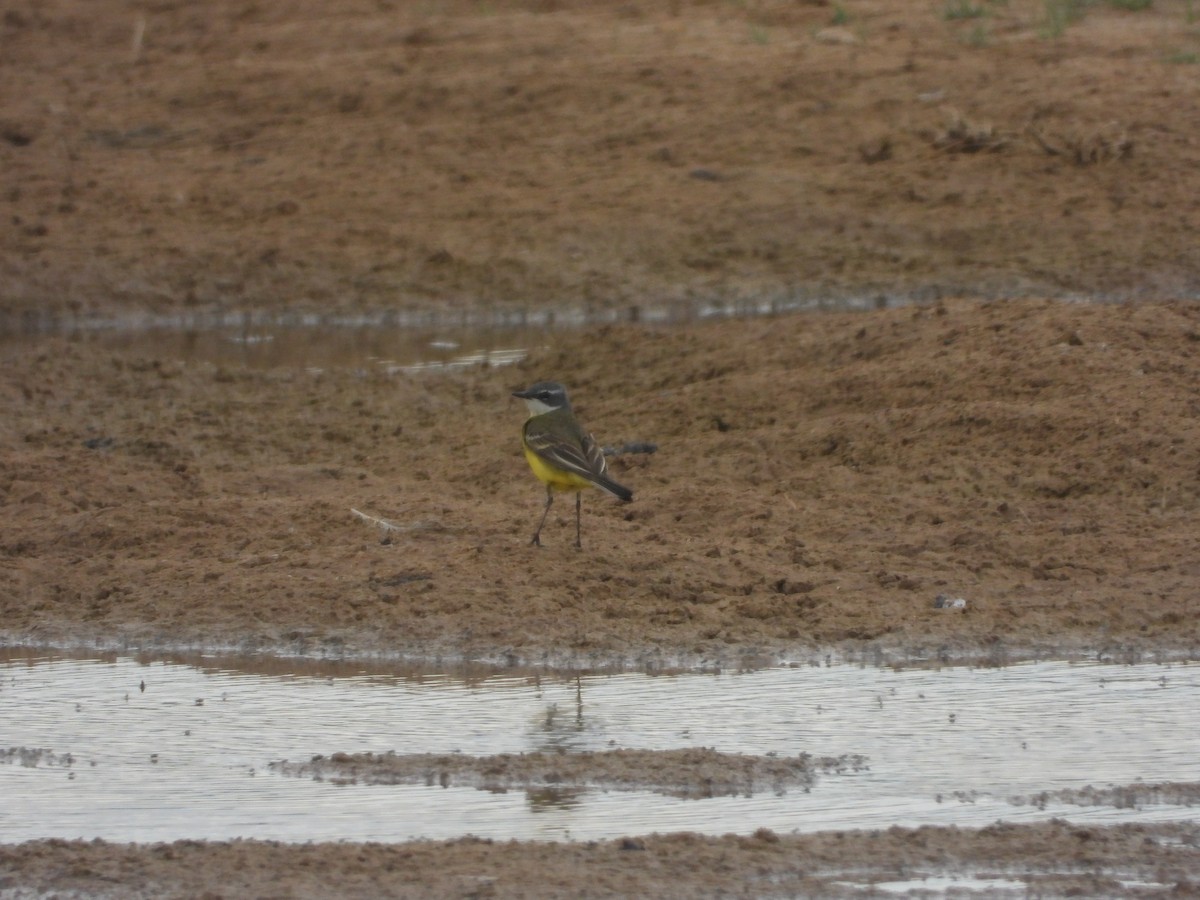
x=819, y=480
x=574, y=153
x=1056, y=859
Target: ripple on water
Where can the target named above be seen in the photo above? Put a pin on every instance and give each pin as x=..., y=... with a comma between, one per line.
x=191, y=754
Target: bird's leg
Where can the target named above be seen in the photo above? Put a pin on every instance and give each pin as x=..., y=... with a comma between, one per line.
x=537, y=535
x=578, y=504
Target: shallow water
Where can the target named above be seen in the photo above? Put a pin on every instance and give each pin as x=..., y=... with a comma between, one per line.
x=393, y=350
x=188, y=756
x=395, y=342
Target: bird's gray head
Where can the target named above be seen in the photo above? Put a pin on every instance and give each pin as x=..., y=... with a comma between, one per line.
x=543, y=397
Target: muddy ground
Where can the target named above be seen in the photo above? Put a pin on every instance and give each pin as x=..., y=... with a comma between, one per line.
x=694, y=772
x=820, y=479
x=1056, y=859
x=568, y=153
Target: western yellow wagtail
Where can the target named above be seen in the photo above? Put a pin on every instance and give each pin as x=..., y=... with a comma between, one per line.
x=562, y=455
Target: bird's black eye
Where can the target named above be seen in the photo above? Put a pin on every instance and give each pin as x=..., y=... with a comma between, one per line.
x=544, y=395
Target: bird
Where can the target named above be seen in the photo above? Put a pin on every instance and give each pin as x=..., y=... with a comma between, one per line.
x=562, y=455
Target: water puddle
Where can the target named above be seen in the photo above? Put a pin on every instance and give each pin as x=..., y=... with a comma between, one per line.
x=392, y=350
x=941, y=884
x=147, y=750
x=394, y=342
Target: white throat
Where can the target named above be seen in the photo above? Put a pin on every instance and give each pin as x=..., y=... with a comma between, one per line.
x=537, y=407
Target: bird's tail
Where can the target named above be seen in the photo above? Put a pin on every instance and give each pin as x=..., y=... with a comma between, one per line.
x=617, y=490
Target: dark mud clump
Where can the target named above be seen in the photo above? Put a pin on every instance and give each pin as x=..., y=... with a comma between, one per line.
x=690, y=773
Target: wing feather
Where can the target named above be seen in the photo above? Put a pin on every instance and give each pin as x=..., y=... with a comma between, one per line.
x=583, y=458
x=595, y=456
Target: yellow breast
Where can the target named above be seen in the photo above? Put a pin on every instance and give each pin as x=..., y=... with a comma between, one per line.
x=558, y=479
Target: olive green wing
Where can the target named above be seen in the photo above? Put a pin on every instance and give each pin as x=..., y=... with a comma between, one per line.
x=567, y=449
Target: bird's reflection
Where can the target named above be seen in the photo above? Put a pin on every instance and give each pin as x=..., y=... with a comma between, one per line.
x=561, y=728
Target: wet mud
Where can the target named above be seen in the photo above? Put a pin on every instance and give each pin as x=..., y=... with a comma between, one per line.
x=692, y=773
x=1055, y=859
x=1129, y=796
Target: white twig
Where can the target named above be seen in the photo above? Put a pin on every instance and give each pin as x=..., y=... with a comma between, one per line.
x=382, y=524
x=139, y=34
